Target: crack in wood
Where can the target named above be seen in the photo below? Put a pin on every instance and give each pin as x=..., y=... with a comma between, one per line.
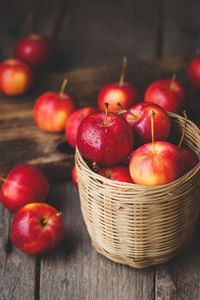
x=37, y=278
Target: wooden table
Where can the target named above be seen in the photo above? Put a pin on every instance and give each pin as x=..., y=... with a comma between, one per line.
x=88, y=34
x=75, y=270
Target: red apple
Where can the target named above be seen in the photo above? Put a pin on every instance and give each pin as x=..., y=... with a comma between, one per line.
x=52, y=110
x=139, y=118
x=74, y=121
x=37, y=228
x=105, y=138
x=189, y=157
x=15, y=77
x=155, y=168
x=74, y=176
x=35, y=49
x=124, y=92
x=168, y=93
x=193, y=72
x=24, y=184
x=116, y=173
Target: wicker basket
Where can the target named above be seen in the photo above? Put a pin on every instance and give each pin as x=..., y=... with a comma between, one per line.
x=137, y=225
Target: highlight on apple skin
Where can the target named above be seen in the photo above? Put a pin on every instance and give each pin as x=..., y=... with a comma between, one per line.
x=37, y=228
x=24, y=184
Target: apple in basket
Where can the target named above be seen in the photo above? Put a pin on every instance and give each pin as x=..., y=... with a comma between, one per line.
x=116, y=173
x=168, y=93
x=124, y=92
x=105, y=138
x=74, y=121
x=189, y=157
x=139, y=117
x=155, y=163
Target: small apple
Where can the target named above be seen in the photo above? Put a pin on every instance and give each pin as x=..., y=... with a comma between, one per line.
x=168, y=93
x=193, y=72
x=16, y=77
x=155, y=163
x=161, y=167
x=35, y=49
x=37, y=228
x=139, y=118
x=189, y=157
x=116, y=173
x=52, y=110
x=105, y=138
x=74, y=121
x=74, y=176
x=24, y=184
x=124, y=92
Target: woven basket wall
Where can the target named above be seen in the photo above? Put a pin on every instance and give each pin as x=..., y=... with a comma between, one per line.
x=137, y=225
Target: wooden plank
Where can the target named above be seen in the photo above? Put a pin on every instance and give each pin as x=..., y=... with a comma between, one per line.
x=99, y=33
x=77, y=271
x=17, y=270
x=179, y=279
x=21, y=141
x=181, y=26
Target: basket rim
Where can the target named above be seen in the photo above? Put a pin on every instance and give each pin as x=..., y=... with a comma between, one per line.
x=125, y=185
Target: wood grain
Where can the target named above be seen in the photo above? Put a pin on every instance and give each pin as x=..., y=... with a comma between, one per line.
x=77, y=271
x=21, y=141
x=17, y=270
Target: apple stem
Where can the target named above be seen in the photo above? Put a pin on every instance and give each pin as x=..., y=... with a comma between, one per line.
x=184, y=130
x=119, y=104
x=63, y=86
x=50, y=218
x=95, y=167
x=106, y=116
x=172, y=81
x=2, y=179
x=152, y=131
x=124, y=65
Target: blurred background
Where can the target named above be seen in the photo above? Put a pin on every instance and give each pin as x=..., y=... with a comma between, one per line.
x=93, y=33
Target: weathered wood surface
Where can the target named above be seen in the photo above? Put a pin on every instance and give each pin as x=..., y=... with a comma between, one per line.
x=91, y=33
x=21, y=141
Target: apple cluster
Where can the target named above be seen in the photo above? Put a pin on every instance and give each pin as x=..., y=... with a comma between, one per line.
x=37, y=227
x=30, y=54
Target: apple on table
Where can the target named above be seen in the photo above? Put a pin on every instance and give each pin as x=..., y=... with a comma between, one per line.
x=52, y=110
x=168, y=93
x=16, y=77
x=124, y=92
x=37, y=228
x=35, y=49
x=24, y=184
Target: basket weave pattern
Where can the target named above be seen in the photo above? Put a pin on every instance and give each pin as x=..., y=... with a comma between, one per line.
x=139, y=225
